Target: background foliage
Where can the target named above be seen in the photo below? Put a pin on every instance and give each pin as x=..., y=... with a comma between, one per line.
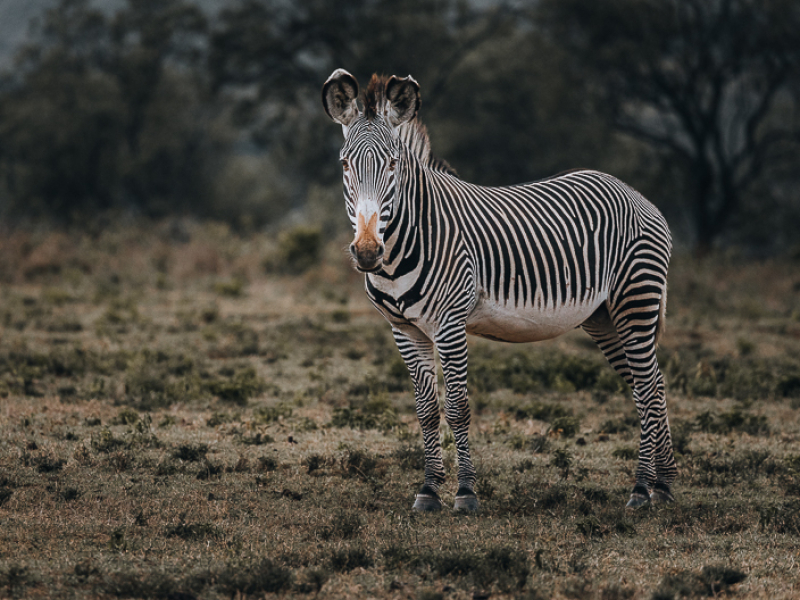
x=164, y=108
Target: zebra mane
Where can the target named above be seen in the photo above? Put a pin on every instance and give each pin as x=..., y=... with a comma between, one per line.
x=413, y=133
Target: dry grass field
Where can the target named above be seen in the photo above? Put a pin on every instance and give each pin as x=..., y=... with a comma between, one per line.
x=182, y=415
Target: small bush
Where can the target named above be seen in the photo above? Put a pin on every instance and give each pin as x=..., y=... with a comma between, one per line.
x=299, y=249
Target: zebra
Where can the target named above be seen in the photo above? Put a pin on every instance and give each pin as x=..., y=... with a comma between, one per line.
x=444, y=258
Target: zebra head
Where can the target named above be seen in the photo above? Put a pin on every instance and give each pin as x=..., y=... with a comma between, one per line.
x=370, y=154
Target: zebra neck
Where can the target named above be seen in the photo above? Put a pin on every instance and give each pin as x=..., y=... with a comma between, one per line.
x=413, y=218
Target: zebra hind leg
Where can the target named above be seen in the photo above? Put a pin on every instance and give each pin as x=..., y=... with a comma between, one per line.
x=637, y=323
x=604, y=333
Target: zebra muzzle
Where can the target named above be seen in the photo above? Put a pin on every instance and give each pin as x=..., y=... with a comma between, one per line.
x=367, y=248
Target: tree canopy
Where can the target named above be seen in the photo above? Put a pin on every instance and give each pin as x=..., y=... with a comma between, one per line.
x=162, y=108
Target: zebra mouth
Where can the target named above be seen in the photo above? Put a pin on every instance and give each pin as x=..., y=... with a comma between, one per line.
x=374, y=269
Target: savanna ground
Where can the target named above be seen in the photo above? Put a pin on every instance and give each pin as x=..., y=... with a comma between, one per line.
x=183, y=416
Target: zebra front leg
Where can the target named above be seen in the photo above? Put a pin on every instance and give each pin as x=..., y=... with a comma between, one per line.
x=418, y=353
x=452, y=345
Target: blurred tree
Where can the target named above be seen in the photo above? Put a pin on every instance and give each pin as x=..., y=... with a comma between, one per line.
x=271, y=58
x=106, y=112
x=515, y=111
x=711, y=84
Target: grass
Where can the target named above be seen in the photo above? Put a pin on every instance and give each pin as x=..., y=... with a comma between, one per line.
x=178, y=421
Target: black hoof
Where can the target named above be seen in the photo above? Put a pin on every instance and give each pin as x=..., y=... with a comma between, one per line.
x=466, y=501
x=427, y=500
x=639, y=497
x=661, y=494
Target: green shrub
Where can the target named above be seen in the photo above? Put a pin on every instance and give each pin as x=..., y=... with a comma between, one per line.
x=239, y=387
x=299, y=249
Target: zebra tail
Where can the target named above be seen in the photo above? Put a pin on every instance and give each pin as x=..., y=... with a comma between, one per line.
x=661, y=324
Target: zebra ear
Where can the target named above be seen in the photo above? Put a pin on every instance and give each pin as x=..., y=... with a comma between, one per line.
x=339, y=95
x=402, y=97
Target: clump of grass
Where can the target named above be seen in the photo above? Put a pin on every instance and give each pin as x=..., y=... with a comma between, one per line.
x=264, y=577
x=525, y=371
x=506, y=567
x=347, y=559
x=219, y=418
x=314, y=463
x=356, y=463
x=190, y=452
x=734, y=420
x=344, y=524
x=312, y=581
x=106, y=442
x=782, y=517
x=14, y=577
x=48, y=464
x=376, y=413
x=542, y=411
x=257, y=439
x=711, y=581
x=237, y=387
x=561, y=459
x=298, y=250
x=625, y=453
x=233, y=288
x=410, y=458
x=267, y=463
x=191, y=531
x=127, y=416
x=622, y=424
x=565, y=426
x=264, y=415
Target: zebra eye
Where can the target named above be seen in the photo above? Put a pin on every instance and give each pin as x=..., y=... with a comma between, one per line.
x=392, y=164
x=345, y=164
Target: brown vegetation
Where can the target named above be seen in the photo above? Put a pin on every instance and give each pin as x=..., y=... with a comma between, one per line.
x=181, y=418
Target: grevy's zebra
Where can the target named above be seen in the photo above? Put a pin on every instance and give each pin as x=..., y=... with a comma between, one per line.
x=523, y=263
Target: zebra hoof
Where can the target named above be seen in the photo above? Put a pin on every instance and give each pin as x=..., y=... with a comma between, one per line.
x=466, y=501
x=427, y=500
x=661, y=494
x=639, y=497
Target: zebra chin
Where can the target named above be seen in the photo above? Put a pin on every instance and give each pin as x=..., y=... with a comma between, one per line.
x=364, y=267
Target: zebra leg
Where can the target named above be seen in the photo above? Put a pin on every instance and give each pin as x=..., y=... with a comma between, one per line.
x=602, y=331
x=451, y=342
x=418, y=353
x=636, y=327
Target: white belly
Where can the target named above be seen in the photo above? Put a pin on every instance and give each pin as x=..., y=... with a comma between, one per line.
x=507, y=323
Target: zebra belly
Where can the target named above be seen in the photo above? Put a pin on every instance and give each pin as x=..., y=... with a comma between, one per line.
x=509, y=323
